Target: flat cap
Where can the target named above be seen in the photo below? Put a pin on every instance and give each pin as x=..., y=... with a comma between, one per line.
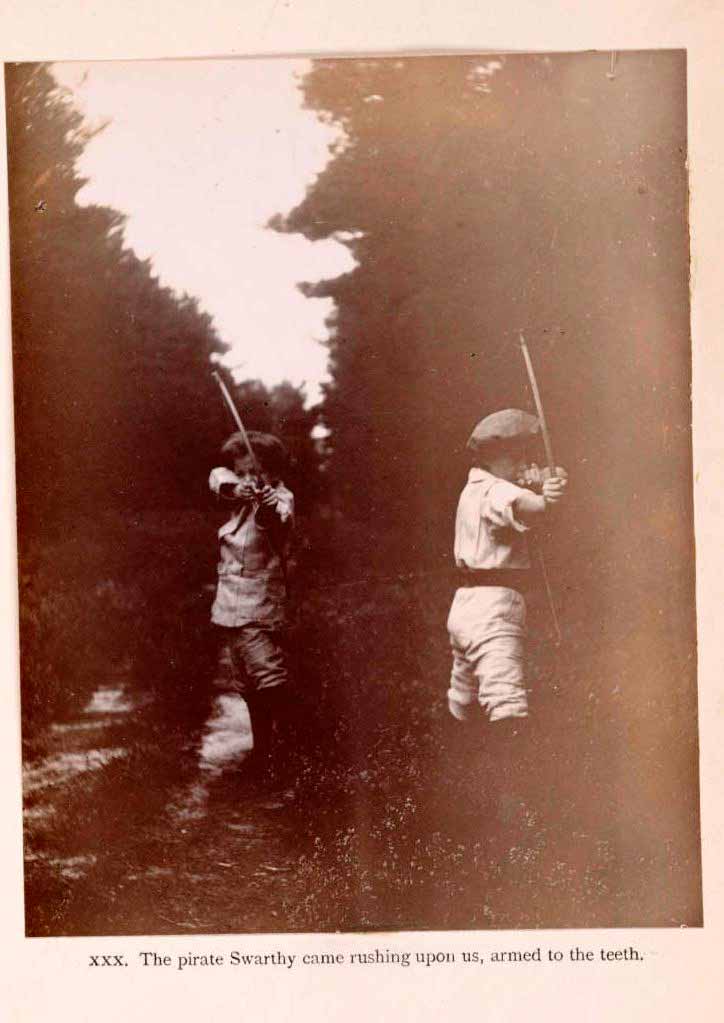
x=509, y=424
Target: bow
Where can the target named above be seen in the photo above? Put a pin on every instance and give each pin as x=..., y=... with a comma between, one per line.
x=237, y=419
x=552, y=468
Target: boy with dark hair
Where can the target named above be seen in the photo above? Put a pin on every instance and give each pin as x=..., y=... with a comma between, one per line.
x=249, y=609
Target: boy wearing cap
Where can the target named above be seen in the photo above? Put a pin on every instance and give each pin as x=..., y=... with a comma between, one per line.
x=487, y=620
x=249, y=609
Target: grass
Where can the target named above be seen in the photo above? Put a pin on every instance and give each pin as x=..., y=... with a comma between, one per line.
x=397, y=820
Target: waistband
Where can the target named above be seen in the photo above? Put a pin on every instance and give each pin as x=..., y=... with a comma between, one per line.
x=512, y=578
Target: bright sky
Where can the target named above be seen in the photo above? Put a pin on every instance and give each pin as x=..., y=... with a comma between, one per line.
x=199, y=154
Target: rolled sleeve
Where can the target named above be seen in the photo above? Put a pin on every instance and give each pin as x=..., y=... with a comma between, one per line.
x=220, y=476
x=499, y=506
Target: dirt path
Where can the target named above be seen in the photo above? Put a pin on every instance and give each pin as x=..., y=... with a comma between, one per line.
x=393, y=824
x=111, y=846
x=121, y=839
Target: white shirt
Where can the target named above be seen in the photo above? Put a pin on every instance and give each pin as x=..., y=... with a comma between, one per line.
x=487, y=533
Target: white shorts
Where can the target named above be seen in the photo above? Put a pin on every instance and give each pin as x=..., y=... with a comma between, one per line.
x=487, y=632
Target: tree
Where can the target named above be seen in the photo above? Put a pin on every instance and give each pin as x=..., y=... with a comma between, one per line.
x=482, y=196
x=479, y=197
x=118, y=421
x=114, y=401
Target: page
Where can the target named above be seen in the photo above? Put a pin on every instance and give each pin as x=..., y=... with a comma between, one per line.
x=373, y=255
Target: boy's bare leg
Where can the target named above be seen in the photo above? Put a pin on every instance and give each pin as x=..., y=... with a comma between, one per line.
x=264, y=707
x=511, y=747
x=269, y=762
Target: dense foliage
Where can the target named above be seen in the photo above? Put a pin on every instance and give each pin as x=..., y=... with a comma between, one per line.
x=482, y=197
x=118, y=421
x=114, y=402
x=485, y=196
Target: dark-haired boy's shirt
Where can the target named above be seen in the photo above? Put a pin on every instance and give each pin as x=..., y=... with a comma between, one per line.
x=251, y=583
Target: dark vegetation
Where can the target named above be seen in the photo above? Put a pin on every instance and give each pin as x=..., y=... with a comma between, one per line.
x=477, y=201
x=118, y=421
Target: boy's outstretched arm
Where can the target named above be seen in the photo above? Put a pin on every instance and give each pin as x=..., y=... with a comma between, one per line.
x=227, y=485
x=529, y=506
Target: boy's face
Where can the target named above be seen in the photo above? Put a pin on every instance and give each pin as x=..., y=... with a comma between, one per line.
x=509, y=463
x=246, y=470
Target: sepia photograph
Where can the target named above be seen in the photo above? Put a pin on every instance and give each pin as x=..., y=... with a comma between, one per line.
x=353, y=452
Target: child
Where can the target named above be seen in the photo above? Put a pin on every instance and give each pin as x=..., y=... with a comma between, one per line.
x=250, y=605
x=487, y=619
